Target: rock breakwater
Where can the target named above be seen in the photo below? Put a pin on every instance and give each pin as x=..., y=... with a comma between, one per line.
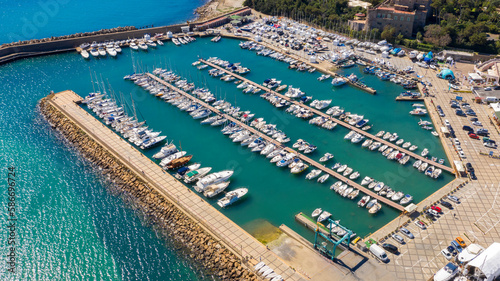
x=200, y=245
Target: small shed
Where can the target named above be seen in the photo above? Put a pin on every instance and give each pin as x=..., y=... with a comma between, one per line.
x=185, y=29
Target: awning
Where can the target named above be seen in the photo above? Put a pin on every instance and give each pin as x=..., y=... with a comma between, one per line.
x=411, y=208
x=495, y=106
x=487, y=262
x=459, y=166
x=475, y=76
x=445, y=130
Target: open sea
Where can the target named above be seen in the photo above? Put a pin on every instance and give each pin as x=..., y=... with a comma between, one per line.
x=36, y=19
x=70, y=227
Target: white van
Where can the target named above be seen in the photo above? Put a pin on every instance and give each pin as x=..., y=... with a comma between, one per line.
x=379, y=252
x=492, y=99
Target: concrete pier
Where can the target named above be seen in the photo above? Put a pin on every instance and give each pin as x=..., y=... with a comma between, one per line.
x=214, y=222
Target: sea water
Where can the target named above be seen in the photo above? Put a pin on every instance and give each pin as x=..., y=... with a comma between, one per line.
x=36, y=19
x=70, y=225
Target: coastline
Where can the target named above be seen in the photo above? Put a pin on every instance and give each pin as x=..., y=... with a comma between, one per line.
x=214, y=8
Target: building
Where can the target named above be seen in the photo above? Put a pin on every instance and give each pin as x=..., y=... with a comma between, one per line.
x=406, y=16
x=486, y=266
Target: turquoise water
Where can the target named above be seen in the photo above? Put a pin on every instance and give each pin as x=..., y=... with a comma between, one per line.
x=71, y=225
x=36, y=19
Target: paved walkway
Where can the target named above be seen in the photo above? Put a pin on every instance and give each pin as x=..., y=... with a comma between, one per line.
x=301, y=156
x=238, y=240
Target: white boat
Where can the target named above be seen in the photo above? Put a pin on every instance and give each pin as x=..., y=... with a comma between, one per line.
x=299, y=168
x=342, y=168
x=232, y=197
x=84, y=54
x=353, y=194
x=347, y=171
x=213, y=179
x=424, y=152
x=142, y=45
x=339, y=81
x=326, y=157
x=133, y=46
x=196, y=174
x=165, y=151
x=111, y=51
x=101, y=51
x=215, y=189
x=397, y=196
x=314, y=173
x=375, y=208
x=165, y=161
x=407, y=199
x=324, y=216
x=354, y=175
x=316, y=212
x=364, y=200
x=323, y=178
x=94, y=52
x=413, y=148
x=366, y=180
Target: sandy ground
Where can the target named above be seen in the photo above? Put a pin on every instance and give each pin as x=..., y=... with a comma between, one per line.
x=218, y=7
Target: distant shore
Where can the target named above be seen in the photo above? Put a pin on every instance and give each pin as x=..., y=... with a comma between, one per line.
x=214, y=8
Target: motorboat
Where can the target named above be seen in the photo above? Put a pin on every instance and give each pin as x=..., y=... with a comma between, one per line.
x=423, y=167
x=366, y=180
x=406, y=199
x=179, y=162
x=196, y=174
x=325, y=215
x=164, y=162
x=143, y=45
x=94, y=52
x=424, y=152
x=232, y=197
x=375, y=208
x=299, y=168
x=342, y=168
x=212, y=179
x=371, y=203
x=418, y=111
x=133, y=46
x=314, y=173
x=323, y=178
x=354, y=176
x=364, y=200
x=316, y=212
x=214, y=189
x=353, y=194
x=397, y=196
x=111, y=51
x=347, y=171
x=84, y=54
x=413, y=148
x=347, y=191
x=326, y=157
x=336, y=186
x=339, y=81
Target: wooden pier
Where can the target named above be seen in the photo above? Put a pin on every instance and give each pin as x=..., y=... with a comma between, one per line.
x=304, y=158
x=342, y=123
x=400, y=98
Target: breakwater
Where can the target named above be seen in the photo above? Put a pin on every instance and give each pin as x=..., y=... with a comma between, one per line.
x=209, y=251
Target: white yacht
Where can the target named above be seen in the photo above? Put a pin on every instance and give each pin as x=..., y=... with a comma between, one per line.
x=165, y=151
x=212, y=179
x=85, y=54
x=196, y=174
x=339, y=81
x=214, y=189
x=314, y=173
x=326, y=157
x=232, y=197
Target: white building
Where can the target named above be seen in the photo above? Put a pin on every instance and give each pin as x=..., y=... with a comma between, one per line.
x=486, y=266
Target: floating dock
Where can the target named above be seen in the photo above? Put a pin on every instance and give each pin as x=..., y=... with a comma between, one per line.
x=346, y=125
x=304, y=158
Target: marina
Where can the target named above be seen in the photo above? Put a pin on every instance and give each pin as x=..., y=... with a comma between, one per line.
x=319, y=113
x=271, y=140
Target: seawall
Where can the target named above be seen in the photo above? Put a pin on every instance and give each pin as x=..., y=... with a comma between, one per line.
x=202, y=246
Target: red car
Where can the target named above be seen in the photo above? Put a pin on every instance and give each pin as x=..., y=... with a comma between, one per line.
x=436, y=208
x=473, y=136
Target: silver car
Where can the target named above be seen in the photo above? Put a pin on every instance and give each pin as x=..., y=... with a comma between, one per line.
x=398, y=238
x=406, y=232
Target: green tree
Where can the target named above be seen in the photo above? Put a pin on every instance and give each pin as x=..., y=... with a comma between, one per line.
x=478, y=39
x=399, y=39
x=420, y=36
x=388, y=33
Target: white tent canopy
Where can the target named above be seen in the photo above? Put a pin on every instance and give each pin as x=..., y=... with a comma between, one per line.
x=495, y=106
x=487, y=263
x=475, y=76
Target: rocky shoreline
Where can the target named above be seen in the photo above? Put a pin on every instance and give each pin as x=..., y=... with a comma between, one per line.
x=206, y=250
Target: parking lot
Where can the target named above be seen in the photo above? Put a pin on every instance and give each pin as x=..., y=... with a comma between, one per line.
x=476, y=219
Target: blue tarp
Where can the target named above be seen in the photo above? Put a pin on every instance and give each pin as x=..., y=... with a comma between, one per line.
x=429, y=55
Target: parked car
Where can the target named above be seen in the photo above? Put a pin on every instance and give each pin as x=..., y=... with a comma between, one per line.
x=406, y=232
x=436, y=208
x=462, y=154
x=456, y=141
x=447, y=273
x=473, y=175
x=446, y=254
x=473, y=136
x=482, y=132
x=469, y=167
x=446, y=204
x=460, y=242
x=460, y=113
x=398, y=238
x=446, y=122
x=473, y=119
x=477, y=123
x=454, y=198
x=433, y=212
x=456, y=246
x=452, y=250
x=390, y=248
x=467, y=128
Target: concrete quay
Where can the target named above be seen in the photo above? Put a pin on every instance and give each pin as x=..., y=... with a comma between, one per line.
x=231, y=235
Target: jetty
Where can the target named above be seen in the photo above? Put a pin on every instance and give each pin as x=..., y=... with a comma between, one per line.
x=400, y=98
x=342, y=123
x=304, y=158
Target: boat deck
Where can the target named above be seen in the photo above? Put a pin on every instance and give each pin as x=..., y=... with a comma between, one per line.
x=344, y=124
x=269, y=139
